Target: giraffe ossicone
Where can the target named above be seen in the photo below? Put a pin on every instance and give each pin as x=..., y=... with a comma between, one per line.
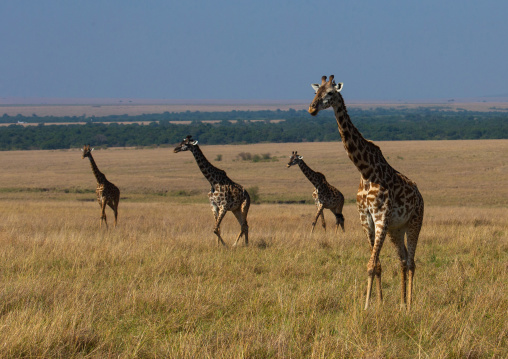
x=389, y=203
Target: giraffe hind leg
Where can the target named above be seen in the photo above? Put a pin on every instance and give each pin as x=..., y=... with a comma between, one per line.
x=117, y=201
x=397, y=238
x=378, y=282
x=242, y=219
x=413, y=233
x=114, y=207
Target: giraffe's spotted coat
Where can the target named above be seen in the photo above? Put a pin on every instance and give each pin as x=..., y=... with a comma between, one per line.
x=107, y=193
x=388, y=202
x=325, y=195
x=225, y=195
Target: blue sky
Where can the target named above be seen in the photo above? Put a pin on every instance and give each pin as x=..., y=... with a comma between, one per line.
x=222, y=49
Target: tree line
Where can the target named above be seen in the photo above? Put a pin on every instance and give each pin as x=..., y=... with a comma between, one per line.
x=235, y=127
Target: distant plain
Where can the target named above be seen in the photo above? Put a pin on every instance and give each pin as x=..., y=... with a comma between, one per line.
x=99, y=107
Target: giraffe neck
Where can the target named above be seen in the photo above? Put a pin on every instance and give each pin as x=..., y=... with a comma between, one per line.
x=211, y=173
x=365, y=155
x=311, y=175
x=98, y=174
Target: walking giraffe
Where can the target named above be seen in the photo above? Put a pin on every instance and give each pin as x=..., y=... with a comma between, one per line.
x=389, y=203
x=225, y=195
x=107, y=192
x=325, y=195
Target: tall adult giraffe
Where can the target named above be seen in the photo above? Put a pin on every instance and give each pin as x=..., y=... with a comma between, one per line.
x=107, y=192
x=225, y=195
x=388, y=202
x=325, y=195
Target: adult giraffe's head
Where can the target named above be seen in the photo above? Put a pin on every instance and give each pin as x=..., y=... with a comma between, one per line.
x=326, y=94
x=86, y=151
x=294, y=159
x=186, y=144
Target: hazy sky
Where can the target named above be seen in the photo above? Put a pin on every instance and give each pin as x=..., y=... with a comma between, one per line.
x=255, y=49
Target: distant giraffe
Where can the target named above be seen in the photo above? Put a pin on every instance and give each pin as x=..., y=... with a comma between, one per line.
x=388, y=202
x=107, y=192
x=325, y=195
x=225, y=195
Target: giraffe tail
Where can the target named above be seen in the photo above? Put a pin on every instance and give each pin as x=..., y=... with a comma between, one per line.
x=245, y=211
x=246, y=202
x=340, y=221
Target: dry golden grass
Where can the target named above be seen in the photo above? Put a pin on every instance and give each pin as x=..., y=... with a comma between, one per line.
x=158, y=286
x=466, y=173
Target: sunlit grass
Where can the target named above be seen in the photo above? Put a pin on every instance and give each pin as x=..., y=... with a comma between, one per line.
x=158, y=285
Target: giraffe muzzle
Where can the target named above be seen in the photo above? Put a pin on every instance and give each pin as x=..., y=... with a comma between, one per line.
x=313, y=110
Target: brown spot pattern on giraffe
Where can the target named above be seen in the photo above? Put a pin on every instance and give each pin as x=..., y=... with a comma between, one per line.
x=388, y=202
x=325, y=195
x=107, y=193
x=225, y=195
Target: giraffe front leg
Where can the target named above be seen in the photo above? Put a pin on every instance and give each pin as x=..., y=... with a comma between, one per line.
x=216, y=230
x=319, y=213
x=103, y=214
x=323, y=223
x=376, y=233
x=374, y=271
x=374, y=265
x=215, y=208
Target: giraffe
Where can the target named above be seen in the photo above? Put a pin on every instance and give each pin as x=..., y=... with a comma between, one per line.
x=325, y=195
x=107, y=192
x=225, y=195
x=389, y=203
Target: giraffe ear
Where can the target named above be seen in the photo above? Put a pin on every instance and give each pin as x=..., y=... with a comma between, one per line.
x=300, y=157
x=315, y=87
x=91, y=149
x=82, y=150
x=195, y=143
x=339, y=86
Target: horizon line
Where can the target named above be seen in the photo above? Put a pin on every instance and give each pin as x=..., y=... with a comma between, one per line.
x=126, y=101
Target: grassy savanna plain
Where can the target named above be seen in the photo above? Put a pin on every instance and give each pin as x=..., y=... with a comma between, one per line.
x=101, y=107
x=158, y=285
